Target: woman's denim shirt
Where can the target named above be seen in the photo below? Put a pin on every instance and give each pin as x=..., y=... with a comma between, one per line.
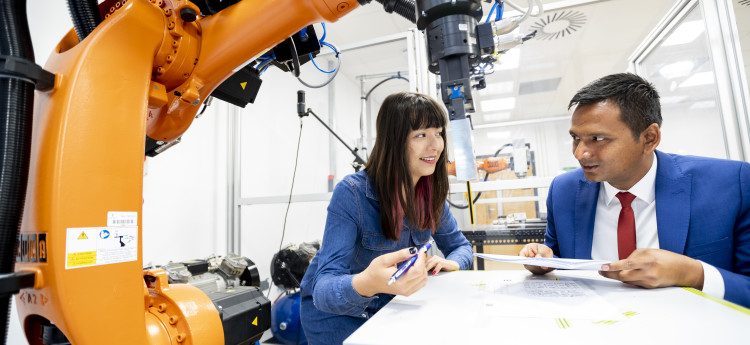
x=331, y=308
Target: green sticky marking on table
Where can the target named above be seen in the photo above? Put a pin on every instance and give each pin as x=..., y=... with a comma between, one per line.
x=630, y=313
x=606, y=322
x=725, y=303
x=562, y=323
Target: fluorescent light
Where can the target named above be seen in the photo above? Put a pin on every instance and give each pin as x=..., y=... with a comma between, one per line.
x=498, y=104
x=498, y=88
x=495, y=117
x=703, y=78
x=677, y=69
x=703, y=105
x=498, y=135
x=673, y=99
x=685, y=33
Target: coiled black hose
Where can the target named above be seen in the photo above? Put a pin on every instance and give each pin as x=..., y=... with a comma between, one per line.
x=404, y=8
x=85, y=15
x=16, y=108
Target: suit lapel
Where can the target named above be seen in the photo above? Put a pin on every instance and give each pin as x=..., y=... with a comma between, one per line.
x=672, y=189
x=585, y=213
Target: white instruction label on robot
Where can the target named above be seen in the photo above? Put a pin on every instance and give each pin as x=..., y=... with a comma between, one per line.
x=122, y=218
x=86, y=247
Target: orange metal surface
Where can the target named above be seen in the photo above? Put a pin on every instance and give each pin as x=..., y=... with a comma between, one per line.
x=229, y=39
x=88, y=146
x=184, y=313
x=489, y=165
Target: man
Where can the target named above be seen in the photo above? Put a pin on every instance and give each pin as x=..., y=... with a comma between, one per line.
x=661, y=219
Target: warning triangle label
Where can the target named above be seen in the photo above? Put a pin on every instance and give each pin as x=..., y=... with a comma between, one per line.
x=243, y=85
x=83, y=236
x=255, y=322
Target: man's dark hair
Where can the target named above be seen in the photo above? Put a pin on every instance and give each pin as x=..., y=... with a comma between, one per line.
x=637, y=99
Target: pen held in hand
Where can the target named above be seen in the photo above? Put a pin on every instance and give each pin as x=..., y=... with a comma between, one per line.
x=405, y=267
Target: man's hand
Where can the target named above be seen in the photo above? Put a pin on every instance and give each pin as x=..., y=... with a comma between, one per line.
x=536, y=250
x=652, y=268
x=374, y=279
x=441, y=264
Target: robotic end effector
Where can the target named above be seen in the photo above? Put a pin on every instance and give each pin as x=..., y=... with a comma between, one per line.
x=451, y=31
x=457, y=45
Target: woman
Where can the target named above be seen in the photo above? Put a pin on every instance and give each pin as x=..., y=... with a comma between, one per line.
x=379, y=217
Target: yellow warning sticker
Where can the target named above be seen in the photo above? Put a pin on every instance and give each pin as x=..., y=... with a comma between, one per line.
x=81, y=259
x=255, y=322
x=243, y=84
x=85, y=247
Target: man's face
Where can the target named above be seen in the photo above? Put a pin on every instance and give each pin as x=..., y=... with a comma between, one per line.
x=605, y=147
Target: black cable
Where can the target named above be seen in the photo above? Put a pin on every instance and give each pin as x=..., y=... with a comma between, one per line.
x=205, y=105
x=295, y=58
x=85, y=16
x=289, y=202
x=404, y=8
x=16, y=119
x=397, y=76
x=463, y=207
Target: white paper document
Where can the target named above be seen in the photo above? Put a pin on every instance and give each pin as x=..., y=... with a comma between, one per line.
x=548, y=299
x=570, y=264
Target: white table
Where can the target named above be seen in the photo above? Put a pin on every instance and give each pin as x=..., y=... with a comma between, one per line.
x=482, y=307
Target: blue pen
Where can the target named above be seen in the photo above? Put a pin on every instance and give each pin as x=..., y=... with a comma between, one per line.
x=405, y=267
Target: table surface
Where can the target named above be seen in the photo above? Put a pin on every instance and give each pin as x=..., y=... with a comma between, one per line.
x=493, y=307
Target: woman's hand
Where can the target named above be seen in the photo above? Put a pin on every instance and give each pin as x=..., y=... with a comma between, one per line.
x=374, y=279
x=437, y=264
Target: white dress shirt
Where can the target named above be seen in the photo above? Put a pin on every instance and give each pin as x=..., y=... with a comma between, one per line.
x=604, y=246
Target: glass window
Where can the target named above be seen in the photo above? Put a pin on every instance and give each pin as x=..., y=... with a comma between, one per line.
x=680, y=67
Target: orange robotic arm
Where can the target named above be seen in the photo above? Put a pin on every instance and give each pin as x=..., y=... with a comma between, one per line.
x=144, y=70
x=489, y=165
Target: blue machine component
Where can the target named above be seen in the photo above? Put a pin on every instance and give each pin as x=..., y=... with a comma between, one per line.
x=457, y=92
x=285, y=323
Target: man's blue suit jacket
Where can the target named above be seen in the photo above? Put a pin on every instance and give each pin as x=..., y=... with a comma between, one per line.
x=702, y=211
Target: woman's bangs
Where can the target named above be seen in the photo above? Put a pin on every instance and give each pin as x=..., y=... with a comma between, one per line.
x=428, y=117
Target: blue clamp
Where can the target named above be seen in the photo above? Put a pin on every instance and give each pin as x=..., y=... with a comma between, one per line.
x=456, y=92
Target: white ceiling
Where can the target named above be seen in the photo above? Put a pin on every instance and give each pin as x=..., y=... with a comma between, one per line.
x=609, y=32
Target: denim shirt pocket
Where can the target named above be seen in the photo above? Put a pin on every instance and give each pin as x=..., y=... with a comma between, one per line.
x=420, y=237
x=375, y=241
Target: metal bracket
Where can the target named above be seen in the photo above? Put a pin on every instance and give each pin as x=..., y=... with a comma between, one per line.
x=20, y=68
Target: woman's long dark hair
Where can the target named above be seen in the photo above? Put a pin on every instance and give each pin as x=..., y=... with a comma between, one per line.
x=387, y=166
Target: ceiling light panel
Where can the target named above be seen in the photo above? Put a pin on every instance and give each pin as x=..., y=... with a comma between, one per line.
x=498, y=104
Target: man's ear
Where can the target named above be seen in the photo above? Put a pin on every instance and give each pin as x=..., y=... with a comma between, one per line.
x=651, y=137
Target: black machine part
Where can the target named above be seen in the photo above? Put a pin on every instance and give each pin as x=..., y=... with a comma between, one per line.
x=453, y=48
x=211, y=7
x=214, y=274
x=51, y=335
x=455, y=45
x=155, y=147
x=245, y=314
x=302, y=47
x=240, y=88
x=288, y=266
x=231, y=282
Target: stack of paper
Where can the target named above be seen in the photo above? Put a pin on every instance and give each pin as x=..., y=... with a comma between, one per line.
x=570, y=264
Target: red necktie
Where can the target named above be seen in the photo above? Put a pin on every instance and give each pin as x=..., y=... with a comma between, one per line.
x=625, y=226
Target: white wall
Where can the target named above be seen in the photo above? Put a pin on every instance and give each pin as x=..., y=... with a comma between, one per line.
x=270, y=130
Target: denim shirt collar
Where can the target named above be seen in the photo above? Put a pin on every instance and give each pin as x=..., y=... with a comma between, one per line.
x=369, y=187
